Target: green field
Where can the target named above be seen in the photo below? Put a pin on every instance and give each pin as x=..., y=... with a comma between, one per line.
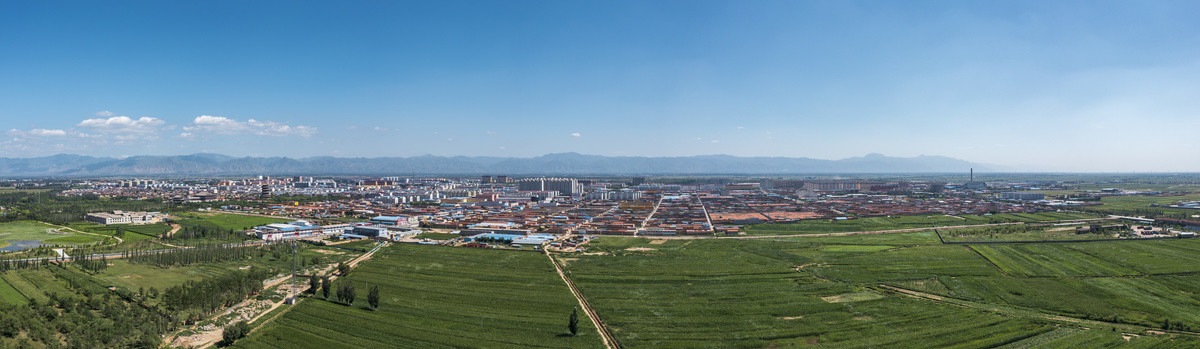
x=134, y=276
x=226, y=221
x=817, y=226
x=435, y=296
x=797, y=291
x=35, y=231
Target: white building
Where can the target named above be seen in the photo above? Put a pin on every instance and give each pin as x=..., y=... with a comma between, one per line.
x=122, y=217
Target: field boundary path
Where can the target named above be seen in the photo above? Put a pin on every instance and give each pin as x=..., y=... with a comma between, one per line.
x=869, y=232
x=175, y=227
x=1012, y=310
x=609, y=340
x=211, y=337
x=119, y=240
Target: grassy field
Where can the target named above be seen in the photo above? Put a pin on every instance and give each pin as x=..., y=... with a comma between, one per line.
x=226, y=221
x=35, y=231
x=435, y=296
x=134, y=276
x=816, y=226
x=111, y=230
x=825, y=290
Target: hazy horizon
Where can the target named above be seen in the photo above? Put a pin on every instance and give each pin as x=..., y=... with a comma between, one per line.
x=1059, y=87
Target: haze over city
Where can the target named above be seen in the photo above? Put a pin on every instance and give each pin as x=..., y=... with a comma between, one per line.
x=1026, y=86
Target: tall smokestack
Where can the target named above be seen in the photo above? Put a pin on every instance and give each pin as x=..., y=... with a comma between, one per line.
x=972, y=174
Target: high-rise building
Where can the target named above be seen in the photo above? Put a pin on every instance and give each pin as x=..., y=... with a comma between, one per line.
x=564, y=186
x=485, y=179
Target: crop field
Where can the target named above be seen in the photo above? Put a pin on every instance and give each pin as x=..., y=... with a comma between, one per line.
x=817, y=226
x=1174, y=256
x=919, y=262
x=10, y=295
x=824, y=290
x=32, y=284
x=227, y=221
x=1049, y=260
x=436, y=296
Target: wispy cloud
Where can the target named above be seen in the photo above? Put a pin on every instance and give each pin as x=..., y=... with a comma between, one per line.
x=576, y=134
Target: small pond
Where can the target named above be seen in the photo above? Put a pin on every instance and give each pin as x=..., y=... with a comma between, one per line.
x=20, y=245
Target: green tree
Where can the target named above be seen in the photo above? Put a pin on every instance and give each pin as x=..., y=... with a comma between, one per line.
x=573, y=322
x=325, y=285
x=348, y=293
x=234, y=332
x=343, y=269
x=314, y=283
x=373, y=297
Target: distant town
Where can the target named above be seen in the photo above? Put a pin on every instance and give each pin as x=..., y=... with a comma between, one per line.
x=531, y=212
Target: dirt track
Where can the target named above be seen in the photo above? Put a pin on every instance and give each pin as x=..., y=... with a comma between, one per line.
x=894, y=231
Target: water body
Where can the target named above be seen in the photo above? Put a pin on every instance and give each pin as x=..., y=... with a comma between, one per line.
x=20, y=245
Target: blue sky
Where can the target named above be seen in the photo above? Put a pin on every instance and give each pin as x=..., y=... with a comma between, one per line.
x=1041, y=85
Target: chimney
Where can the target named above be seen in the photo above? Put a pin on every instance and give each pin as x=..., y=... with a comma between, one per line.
x=972, y=174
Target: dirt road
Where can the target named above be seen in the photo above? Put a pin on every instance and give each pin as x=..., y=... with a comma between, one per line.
x=609, y=341
x=205, y=338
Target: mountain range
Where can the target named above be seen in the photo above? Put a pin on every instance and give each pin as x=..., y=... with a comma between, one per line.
x=561, y=163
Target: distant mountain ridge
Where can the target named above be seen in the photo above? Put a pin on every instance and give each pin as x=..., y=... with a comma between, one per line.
x=560, y=163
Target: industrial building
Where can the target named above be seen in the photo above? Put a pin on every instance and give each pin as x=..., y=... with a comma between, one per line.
x=297, y=230
x=1022, y=195
x=972, y=184
x=395, y=220
x=382, y=232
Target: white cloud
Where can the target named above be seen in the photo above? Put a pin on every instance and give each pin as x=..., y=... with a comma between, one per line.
x=123, y=125
x=45, y=132
x=716, y=141
x=226, y=126
x=576, y=134
x=103, y=113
